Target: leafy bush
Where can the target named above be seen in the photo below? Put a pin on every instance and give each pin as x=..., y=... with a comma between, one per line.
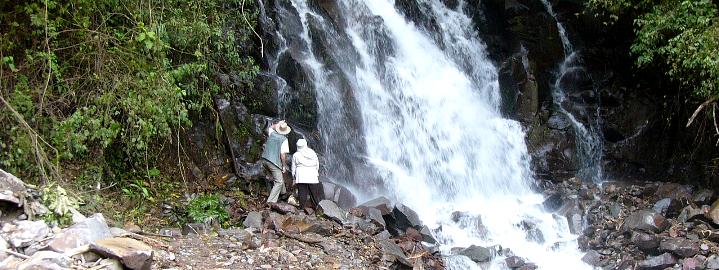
x=107, y=81
x=208, y=208
x=680, y=36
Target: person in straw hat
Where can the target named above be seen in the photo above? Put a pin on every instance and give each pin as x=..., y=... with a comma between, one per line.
x=274, y=158
x=305, y=172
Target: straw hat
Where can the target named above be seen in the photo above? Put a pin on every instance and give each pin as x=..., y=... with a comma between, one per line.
x=283, y=128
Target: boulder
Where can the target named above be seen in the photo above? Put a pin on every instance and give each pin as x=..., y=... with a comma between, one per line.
x=572, y=211
x=703, y=196
x=403, y=217
x=253, y=220
x=46, y=260
x=592, y=257
x=553, y=202
x=382, y=204
x=682, y=247
x=668, y=207
x=427, y=235
x=657, y=262
x=338, y=194
x=23, y=233
x=9, y=196
x=331, y=210
x=195, y=228
x=514, y=262
x=375, y=216
x=81, y=233
x=691, y=264
x=712, y=262
x=644, y=241
x=645, y=220
x=283, y=208
x=3, y=246
x=391, y=252
x=477, y=253
x=690, y=212
x=133, y=254
x=713, y=213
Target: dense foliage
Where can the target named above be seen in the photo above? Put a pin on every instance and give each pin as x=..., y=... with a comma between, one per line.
x=108, y=82
x=682, y=37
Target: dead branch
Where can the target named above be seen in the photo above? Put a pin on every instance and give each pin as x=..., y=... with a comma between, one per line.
x=699, y=109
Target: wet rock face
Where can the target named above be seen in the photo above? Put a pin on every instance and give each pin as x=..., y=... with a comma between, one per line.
x=657, y=262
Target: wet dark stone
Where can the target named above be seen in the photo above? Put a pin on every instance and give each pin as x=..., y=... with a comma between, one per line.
x=657, y=262
x=644, y=241
x=645, y=220
x=553, y=202
x=514, y=262
x=592, y=257
x=682, y=247
x=477, y=253
x=381, y=203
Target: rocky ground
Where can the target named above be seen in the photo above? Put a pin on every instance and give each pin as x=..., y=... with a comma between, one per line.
x=641, y=225
x=653, y=226
x=377, y=235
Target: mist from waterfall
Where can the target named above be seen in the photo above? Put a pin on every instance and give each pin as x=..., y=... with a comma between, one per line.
x=428, y=124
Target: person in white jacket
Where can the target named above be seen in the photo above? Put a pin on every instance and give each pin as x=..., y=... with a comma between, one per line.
x=305, y=172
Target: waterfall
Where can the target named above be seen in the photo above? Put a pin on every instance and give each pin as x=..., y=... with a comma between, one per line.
x=421, y=109
x=587, y=133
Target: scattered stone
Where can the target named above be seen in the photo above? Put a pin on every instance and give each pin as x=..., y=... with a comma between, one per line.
x=427, y=235
x=195, y=228
x=668, y=207
x=403, y=217
x=477, y=253
x=657, y=262
x=393, y=253
x=682, y=247
x=8, y=196
x=691, y=264
x=553, y=202
x=703, y=196
x=644, y=241
x=382, y=204
x=375, y=216
x=712, y=262
x=514, y=262
x=3, y=246
x=253, y=220
x=46, y=260
x=645, y=220
x=170, y=232
x=572, y=211
x=690, y=212
x=110, y=264
x=713, y=213
x=81, y=233
x=592, y=258
x=133, y=254
x=283, y=208
x=23, y=233
x=331, y=210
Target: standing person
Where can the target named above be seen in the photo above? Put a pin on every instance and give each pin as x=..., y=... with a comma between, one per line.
x=274, y=158
x=305, y=171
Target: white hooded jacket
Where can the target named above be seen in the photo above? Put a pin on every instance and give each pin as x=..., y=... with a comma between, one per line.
x=305, y=164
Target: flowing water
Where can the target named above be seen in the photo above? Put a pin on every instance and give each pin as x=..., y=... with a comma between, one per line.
x=588, y=136
x=421, y=110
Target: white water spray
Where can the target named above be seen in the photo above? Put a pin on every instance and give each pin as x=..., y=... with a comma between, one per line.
x=431, y=127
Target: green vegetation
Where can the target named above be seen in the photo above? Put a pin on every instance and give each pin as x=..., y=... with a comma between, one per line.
x=209, y=209
x=681, y=37
x=98, y=91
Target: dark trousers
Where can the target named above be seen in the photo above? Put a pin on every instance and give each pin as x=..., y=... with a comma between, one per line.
x=309, y=195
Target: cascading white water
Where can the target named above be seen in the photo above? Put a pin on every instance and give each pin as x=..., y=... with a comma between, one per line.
x=431, y=127
x=588, y=137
